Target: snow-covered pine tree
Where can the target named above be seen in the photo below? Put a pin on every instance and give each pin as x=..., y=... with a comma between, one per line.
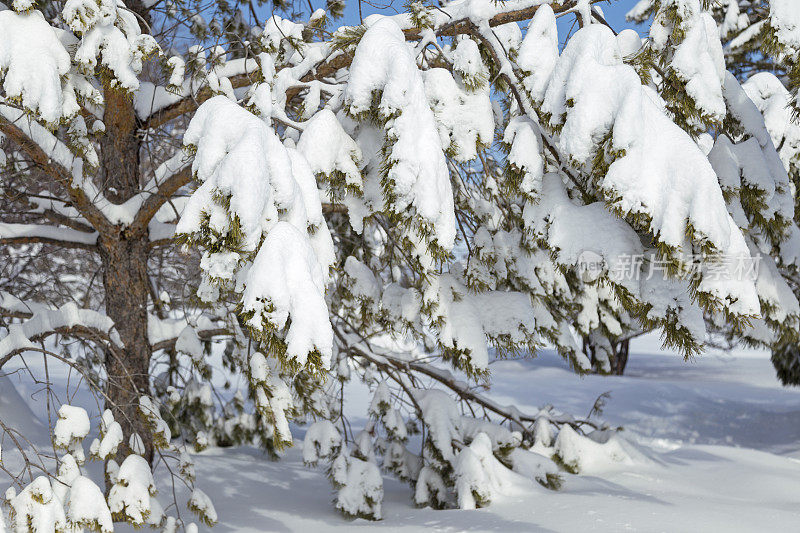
x=578, y=131
x=376, y=202
x=755, y=154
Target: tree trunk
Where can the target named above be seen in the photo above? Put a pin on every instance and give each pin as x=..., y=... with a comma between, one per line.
x=125, y=277
x=119, y=147
x=126, y=286
x=620, y=357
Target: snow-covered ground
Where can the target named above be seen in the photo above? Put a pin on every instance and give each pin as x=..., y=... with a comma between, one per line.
x=719, y=437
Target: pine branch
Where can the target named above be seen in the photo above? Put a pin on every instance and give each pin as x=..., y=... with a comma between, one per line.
x=56, y=171
x=67, y=320
x=166, y=189
x=15, y=234
x=204, y=334
x=64, y=220
x=341, y=59
x=459, y=387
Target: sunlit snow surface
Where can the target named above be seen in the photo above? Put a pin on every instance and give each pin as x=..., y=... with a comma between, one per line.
x=719, y=437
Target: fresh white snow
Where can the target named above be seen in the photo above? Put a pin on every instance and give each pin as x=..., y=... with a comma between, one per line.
x=712, y=445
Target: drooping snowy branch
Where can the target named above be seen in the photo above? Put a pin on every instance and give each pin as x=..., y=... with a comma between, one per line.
x=416, y=178
x=254, y=188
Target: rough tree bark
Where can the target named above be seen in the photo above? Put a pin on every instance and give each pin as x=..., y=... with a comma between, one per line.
x=124, y=255
x=125, y=281
x=618, y=359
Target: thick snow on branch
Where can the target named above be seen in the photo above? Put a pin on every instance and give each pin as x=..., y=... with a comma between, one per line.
x=538, y=53
x=759, y=194
x=464, y=117
x=479, y=476
x=784, y=17
x=746, y=165
x=329, y=149
x=48, y=321
x=659, y=172
x=470, y=318
x=697, y=59
x=36, y=508
x=572, y=230
x=35, y=232
x=240, y=158
x=131, y=494
x=448, y=426
x=254, y=188
x=33, y=62
x=524, y=144
x=417, y=174
x=286, y=280
x=111, y=33
x=772, y=99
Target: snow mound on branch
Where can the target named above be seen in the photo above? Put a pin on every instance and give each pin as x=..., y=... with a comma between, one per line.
x=468, y=63
x=538, y=53
x=72, y=426
x=253, y=188
x=671, y=298
x=321, y=441
x=464, y=118
x=773, y=99
x=87, y=507
x=201, y=505
x=442, y=417
x=598, y=452
x=698, y=60
x=479, y=476
x=744, y=164
x=111, y=437
x=362, y=490
x=447, y=425
x=571, y=230
x=285, y=281
x=784, y=17
x=773, y=289
x=328, y=148
x=524, y=141
x=659, y=172
x=36, y=508
x=470, y=318
x=417, y=172
x=32, y=64
x=239, y=157
x=111, y=32
x=662, y=173
x=533, y=465
x=130, y=496
x=763, y=168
